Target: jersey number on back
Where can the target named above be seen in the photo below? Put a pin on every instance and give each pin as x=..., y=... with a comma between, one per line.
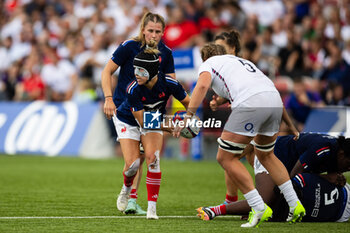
x=330, y=199
x=247, y=65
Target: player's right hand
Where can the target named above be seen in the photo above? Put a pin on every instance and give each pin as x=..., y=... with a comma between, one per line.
x=109, y=108
x=213, y=104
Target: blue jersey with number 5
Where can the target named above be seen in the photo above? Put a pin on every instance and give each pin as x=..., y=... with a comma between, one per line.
x=322, y=200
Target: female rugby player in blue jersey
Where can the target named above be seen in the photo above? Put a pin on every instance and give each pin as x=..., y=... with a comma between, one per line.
x=326, y=197
x=152, y=28
x=148, y=93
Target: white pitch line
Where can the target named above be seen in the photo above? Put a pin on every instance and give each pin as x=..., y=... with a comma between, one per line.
x=87, y=217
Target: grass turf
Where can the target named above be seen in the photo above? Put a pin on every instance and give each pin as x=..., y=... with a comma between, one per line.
x=72, y=187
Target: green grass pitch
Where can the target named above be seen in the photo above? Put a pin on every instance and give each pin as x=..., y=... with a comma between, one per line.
x=81, y=195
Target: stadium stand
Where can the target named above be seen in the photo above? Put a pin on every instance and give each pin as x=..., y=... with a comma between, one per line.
x=287, y=39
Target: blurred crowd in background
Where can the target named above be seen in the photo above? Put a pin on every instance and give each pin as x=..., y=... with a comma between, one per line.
x=55, y=50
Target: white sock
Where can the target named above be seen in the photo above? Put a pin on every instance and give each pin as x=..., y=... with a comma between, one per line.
x=289, y=193
x=152, y=204
x=254, y=200
x=127, y=189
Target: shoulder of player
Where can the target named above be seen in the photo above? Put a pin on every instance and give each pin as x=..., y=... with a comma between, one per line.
x=169, y=81
x=163, y=48
x=212, y=61
x=132, y=88
x=130, y=43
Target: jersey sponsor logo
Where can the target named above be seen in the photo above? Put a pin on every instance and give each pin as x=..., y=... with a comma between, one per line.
x=316, y=208
x=314, y=213
x=151, y=120
x=42, y=128
x=249, y=127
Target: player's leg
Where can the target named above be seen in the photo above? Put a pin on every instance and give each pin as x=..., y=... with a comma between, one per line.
x=129, y=138
x=231, y=188
x=133, y=207
x=264, y=185
x=231, y=146
x=152, y=142
x=267, y=128
x=264, y=146
x=131, y=153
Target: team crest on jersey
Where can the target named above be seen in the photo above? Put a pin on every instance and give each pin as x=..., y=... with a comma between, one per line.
x=143, y=98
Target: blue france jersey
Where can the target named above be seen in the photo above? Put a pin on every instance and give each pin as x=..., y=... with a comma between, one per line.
x=140, y=97
x=124, y=55
x=323, y=201
x=317, y=152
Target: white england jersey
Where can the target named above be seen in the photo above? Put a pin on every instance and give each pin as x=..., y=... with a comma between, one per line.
x=235, y=78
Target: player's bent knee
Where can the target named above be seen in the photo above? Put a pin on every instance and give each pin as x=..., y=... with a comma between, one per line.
x=154, y=166
x=131, y=171
x=265, y=148
x=231, y=147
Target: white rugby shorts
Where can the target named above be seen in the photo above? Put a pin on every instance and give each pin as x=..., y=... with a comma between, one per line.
x=259, y=114
x=126, y=131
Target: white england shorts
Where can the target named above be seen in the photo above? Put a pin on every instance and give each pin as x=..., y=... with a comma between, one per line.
x=126, y=131
x=259, y=114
